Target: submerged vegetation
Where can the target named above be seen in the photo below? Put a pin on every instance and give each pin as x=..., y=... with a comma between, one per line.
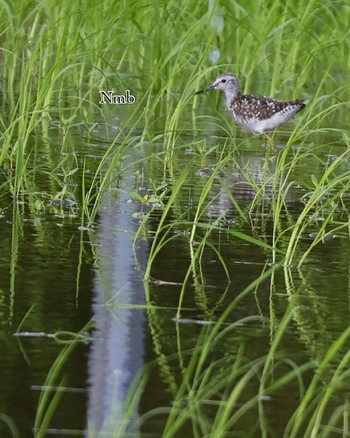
x=282, y=203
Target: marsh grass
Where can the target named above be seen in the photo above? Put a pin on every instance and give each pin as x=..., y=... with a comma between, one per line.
x=45, y=60
x=57, y=56
x=226, y=395
x=51, y=396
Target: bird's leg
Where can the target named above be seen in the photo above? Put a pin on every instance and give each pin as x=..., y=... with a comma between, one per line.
x=269, y=139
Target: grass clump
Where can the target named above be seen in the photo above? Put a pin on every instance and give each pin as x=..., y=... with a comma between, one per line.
x=56, y=57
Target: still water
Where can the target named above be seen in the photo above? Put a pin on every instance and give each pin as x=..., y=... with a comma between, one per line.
x=56, y=275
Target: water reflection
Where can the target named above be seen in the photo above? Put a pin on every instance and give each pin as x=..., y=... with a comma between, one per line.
x=45, y=250
x=38, y=266
x=117, y=348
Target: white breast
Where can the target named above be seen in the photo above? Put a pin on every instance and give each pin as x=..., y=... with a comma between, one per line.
x=259, y=126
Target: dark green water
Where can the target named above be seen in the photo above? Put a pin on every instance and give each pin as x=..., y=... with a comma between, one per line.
x=46, y=286
x=55, y=276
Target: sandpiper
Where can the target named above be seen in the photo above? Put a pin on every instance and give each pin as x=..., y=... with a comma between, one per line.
x=257, y=114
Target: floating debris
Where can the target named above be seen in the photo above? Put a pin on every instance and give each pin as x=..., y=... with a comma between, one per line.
x=65, y=203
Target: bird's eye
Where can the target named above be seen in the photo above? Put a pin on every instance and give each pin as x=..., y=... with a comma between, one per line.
x=223, y=81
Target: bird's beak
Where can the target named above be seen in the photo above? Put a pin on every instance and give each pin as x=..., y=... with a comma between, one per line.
x=208, y=88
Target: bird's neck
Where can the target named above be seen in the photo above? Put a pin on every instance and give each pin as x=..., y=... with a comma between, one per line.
x=230, y=95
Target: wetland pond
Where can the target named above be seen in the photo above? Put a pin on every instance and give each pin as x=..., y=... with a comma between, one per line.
x=60, y=277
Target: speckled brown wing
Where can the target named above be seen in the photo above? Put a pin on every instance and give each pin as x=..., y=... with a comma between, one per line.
x=248, y=107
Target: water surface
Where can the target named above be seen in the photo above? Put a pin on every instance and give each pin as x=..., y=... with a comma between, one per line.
x=56, y=275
